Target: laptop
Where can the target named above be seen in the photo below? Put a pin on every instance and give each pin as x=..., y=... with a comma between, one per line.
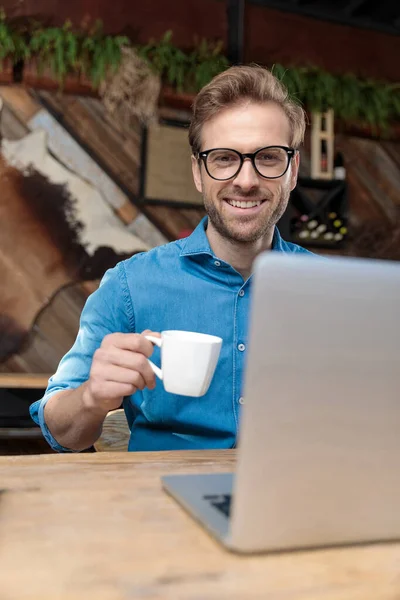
x=319, y=440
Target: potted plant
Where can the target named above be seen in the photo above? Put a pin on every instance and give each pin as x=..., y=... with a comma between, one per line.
x=99, y=55
x=363, y=105
x=73, y=61
x=13, y=49
x=54, y=52
x=183, y=73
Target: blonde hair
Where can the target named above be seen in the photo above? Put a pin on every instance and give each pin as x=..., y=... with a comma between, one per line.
x=236, y=85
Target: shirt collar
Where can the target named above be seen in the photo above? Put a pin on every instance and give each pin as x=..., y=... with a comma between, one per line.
x=197, y=242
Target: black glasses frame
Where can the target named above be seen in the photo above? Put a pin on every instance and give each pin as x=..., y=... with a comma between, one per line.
x=290, y=152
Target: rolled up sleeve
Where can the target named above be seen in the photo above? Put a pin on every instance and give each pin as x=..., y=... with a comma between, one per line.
x=107, y=310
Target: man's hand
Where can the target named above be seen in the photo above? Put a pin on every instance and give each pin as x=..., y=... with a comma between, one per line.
x=119, y=368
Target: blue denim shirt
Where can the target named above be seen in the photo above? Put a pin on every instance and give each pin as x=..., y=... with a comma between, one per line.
x=181, y=285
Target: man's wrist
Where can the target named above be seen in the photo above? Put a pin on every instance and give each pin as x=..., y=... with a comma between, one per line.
x=90, y=405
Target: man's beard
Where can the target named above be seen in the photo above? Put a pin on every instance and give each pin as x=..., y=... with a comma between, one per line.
x=258, y=226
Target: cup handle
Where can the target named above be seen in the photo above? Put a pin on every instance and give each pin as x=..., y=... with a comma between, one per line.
x=158, y=342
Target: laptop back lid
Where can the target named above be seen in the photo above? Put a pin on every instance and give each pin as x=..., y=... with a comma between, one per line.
x=319, y=446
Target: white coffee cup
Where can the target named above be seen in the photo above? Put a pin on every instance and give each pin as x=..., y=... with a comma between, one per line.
x=188, y=361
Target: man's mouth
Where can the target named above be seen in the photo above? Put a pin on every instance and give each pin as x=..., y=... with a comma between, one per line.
x=244, y=203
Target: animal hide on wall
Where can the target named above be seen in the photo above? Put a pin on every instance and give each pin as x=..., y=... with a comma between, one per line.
x=56, y=229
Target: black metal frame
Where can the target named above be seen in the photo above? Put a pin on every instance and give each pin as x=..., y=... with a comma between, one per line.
x=142, y=200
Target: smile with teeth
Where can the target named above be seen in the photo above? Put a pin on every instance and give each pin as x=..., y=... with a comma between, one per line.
x=244, y=204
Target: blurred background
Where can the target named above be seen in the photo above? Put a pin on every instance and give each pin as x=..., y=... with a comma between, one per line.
x=95, y=103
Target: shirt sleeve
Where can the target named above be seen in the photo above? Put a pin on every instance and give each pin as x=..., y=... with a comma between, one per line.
x=108, y=310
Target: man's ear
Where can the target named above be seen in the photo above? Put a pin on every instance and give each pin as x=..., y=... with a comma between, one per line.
x=196, y=170
x=294, y=170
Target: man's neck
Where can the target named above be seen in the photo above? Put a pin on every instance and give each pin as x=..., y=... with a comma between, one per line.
x=240, y=255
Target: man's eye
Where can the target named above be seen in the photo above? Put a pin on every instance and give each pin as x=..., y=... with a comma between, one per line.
x=225, y=158
x=268, y=157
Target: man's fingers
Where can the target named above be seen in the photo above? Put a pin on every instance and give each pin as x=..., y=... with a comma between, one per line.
x=153, y=333
x=131, y=361
x=129, y=341
x=116, y=374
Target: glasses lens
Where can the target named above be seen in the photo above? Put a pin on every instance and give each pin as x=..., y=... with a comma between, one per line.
x=271, y=162
x=223, y=164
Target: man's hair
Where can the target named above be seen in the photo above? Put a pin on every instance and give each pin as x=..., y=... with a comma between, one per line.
x=237, y=85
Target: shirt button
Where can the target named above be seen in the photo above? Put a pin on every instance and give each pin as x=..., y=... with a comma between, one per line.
x=241, y=347
x=217, y=263
x=241, y=400
x=241, y=293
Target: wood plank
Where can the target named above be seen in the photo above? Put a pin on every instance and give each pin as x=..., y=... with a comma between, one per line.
x=18, y=98
x=71, y=154
x=10, y=126
x=193, y=216
x=144, y=228
x=367, y=200
x=24, y=380
x=380, y=171
x=169, y=220
x=77, y=118
x=100, y=527
x=127, y=212
x=53, y=333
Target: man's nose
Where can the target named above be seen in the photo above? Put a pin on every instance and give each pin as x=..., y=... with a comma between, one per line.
x=247, y=176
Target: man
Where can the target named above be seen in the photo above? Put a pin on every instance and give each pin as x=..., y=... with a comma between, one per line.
x=245, y=134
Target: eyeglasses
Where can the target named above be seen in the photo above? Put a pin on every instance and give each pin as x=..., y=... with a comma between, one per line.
x=270, y=162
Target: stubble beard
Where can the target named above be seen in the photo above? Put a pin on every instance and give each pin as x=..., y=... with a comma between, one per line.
x=246, y=230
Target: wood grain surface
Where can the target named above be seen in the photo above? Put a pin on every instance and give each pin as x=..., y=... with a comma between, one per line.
x=99, y=526
x=24, y=380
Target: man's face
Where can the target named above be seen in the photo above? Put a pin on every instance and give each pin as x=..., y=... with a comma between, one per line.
x=246, y=128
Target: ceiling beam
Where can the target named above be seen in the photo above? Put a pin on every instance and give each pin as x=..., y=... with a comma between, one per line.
x=235, y=13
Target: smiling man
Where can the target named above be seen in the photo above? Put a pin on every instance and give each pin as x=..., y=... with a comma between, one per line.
x=245, y=134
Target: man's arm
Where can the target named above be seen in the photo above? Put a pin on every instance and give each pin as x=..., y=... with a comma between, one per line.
x=119, y=368
x=71, y=422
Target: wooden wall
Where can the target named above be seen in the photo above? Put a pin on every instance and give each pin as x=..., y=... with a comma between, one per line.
x=373, y=173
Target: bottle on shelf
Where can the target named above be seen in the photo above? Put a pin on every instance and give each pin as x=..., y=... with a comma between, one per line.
x=339, y=171
x=324, y=156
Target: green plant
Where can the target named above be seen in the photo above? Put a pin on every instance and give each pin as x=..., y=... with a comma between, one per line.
x=55, y=48
x=353, y=99
x=12, y=42
x=185, y=71
x=100, y=55
x=205, y=62
x=66, y=51
x=168, y=61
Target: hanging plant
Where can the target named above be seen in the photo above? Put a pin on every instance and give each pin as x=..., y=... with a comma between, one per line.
x=168, y=61
x=13, y=46
x=184, y=71
x=56, y=49
x=63, y=51
x=100, y=55
x=353, y=99
x=205, y=62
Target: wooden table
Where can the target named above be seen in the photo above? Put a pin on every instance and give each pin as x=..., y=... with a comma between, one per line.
x=99, y=526
x=35, y=381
